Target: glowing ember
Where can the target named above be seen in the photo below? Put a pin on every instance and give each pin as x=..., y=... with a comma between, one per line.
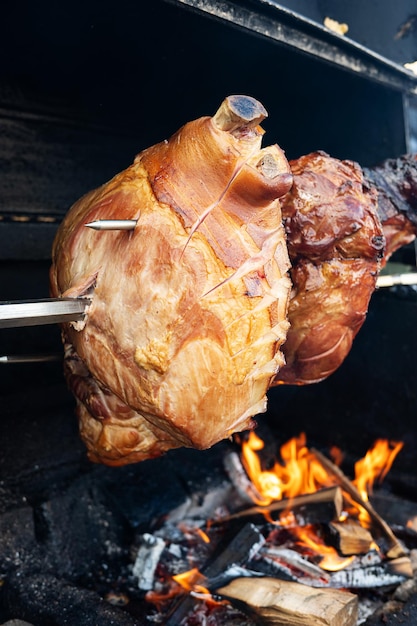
x=204, y=536
x=186, y=582
x=190, y=581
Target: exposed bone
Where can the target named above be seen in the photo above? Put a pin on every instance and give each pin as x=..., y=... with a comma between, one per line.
x=269, y=165
x=396, y=549
x=322, y=506
x=238, y=111
x=273, y=601
x=350, y=537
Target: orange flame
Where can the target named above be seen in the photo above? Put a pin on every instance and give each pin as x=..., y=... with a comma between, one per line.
x=331, y=561
x=374, y=466
x=189, y=581
x=203, y=535
x=299, y=473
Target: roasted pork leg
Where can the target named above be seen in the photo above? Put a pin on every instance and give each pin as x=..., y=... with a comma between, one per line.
x=342, y=224
x=189, y=310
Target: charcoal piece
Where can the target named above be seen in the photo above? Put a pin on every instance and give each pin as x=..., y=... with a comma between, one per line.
x=394, y=614
x=67, y=541
x=239, y=551
x=78, y=531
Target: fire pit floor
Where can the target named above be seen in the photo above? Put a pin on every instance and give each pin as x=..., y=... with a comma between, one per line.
x=69, y=530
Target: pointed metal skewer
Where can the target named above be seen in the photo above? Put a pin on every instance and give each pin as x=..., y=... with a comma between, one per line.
x=112, y=224
x=30, y=358
x=38, y=312
x=389, y=280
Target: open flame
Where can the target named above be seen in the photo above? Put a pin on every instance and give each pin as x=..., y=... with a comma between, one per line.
x=330, y=561
x=189, y=582
x=299, y=473
x=375, y=465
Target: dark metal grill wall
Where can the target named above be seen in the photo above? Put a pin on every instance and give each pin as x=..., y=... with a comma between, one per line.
x=84, y=86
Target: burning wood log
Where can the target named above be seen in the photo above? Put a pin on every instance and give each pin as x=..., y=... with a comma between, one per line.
x=350, y=537
x=321, y=506
x=396, y=549
x=242, y=548
x=239, y=478
x=364, y=572
x=287, y=564
x=272, y=601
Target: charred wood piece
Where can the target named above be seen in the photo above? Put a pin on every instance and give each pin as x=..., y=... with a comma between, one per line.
x=396, y=549
x=287, y=564
x=387, y=573
x=239, y=478
x=350, y=537
x=243, y=547
x=321, y=506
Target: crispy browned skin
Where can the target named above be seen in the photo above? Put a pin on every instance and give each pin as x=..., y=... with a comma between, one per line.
x=188, y=310
x=396, y=183
x=335, y=242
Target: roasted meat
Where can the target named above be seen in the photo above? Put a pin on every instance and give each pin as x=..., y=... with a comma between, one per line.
x=342, y=224
x=189, y=310
x=396, y=183
x=188, y=322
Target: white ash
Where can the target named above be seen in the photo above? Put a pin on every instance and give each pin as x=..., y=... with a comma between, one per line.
x=147, y=561
x=289, y=565
x=365, y=578
x=366, y=608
